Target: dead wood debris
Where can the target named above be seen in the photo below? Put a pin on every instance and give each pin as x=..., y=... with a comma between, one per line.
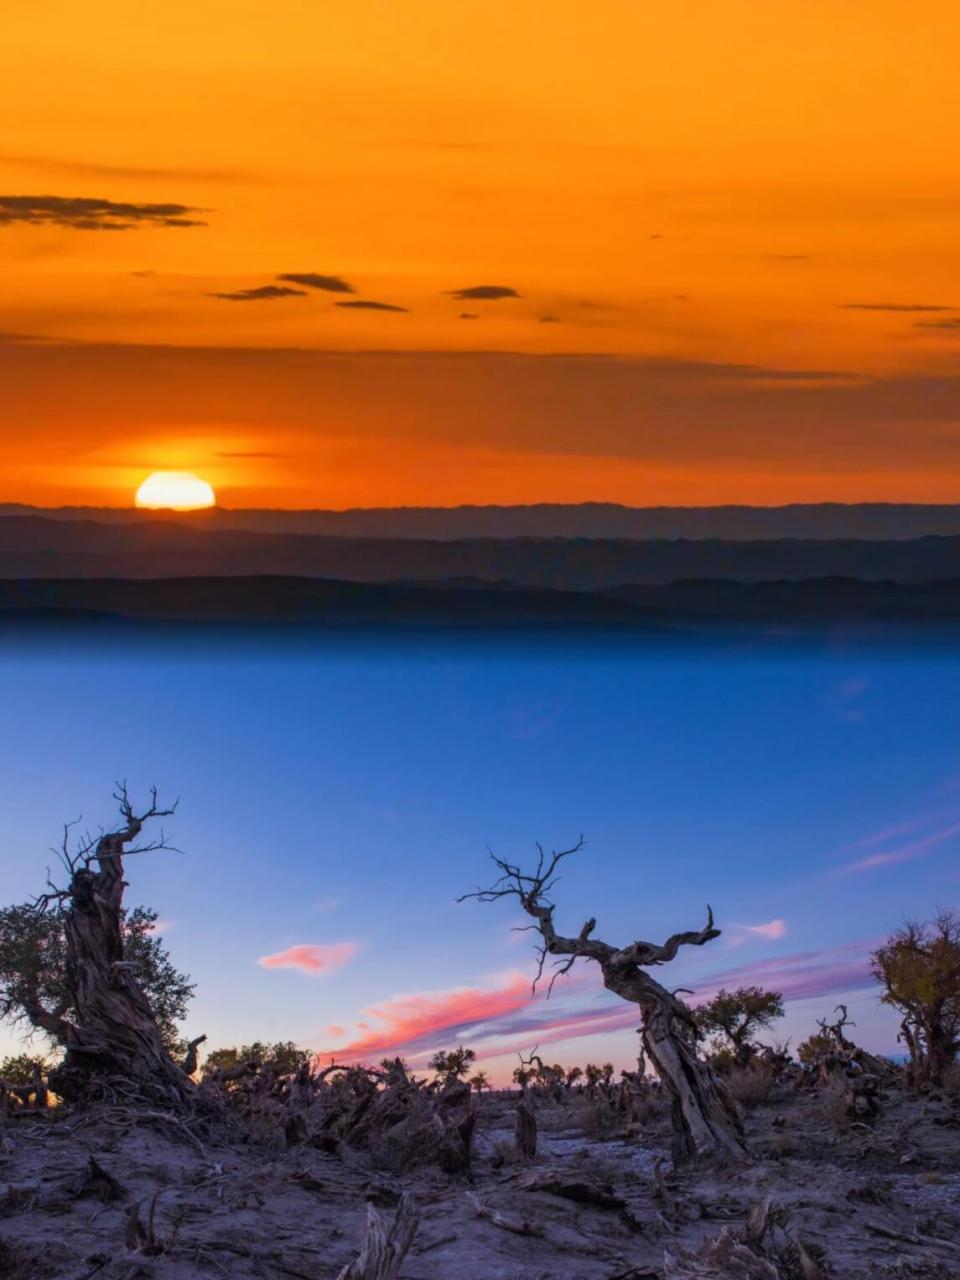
x=582, y=1190
x=142, y=1237
x=384, y=1247
x=95, y=1181
x=764, y=1249
x=915, y=1238
x=517, y=1226
x=401, y=1122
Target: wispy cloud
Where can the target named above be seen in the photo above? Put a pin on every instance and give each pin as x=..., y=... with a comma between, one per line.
x=770, y=931
x=905, y=852
x=908, y=307
x=84, y=213
x=952, y=324
x=312, y=957
x=248, y=453
x=326, y=904
x=105, y=169
x=845, y=699
x=500, y=1018
x=801, y=976
x=885, y=834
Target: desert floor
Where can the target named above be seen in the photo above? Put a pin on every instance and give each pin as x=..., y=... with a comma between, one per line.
x=882, y=1200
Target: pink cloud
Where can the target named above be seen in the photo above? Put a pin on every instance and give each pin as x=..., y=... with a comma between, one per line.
x=801, y=976
x=884, y=835
x=499, y=1019
x=772, y=930
x=312, y=957
x=418, y=1019
x=160, y=926
x=905, y=852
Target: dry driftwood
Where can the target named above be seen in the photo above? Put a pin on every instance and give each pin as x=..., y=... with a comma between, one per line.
x=915, y=1238
x=518, y=1226
x=384, y=1248
x=581, y=1190
x=723, y=1257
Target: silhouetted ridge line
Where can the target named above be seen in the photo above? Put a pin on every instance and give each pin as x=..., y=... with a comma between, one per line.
x=811, y=521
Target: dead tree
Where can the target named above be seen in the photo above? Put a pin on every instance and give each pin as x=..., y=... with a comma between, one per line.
x=525, y=1130
x=705, y=1119
x=111, y=1038
x=192, y=1061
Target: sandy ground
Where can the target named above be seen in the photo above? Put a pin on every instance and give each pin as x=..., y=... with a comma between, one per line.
x=243, y=1210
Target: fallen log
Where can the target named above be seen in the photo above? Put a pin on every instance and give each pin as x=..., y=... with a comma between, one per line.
x=580, y=1190
x=518, y=1226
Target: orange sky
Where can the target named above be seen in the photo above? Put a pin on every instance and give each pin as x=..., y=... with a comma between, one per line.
x=701, y=206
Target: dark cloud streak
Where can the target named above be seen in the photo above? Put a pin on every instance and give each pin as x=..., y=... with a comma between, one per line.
x=83, y=213
x=311, y=280
x=264, y=293
x=363, y=305
x=905, y=307
x=483, y=293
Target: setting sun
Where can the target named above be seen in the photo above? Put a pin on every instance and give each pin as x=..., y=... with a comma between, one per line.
x=175, y=491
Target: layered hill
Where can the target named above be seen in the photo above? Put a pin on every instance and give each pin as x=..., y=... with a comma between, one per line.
x=37, y=547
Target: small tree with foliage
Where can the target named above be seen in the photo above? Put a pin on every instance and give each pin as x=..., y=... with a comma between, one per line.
x=736, y=1016
x=283, y=1058
x=20, y=1068
x=76, y=965
x=919, y=968
x=479, y=1081
x=452, y=1064
x=34, y=986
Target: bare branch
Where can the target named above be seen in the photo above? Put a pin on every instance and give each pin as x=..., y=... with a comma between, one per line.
x=648, y=953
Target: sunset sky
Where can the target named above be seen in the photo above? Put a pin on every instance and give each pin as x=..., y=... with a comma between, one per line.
x=365, y=252
x=336, y=801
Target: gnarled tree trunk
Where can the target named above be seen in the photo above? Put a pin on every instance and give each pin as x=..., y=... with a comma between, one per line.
x=112, y=1037
x=705, y=1118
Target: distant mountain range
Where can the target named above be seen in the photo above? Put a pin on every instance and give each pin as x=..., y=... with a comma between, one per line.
x=873, y=521
x=41, y=547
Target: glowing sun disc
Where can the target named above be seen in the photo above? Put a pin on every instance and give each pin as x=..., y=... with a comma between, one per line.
x=175, y=491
